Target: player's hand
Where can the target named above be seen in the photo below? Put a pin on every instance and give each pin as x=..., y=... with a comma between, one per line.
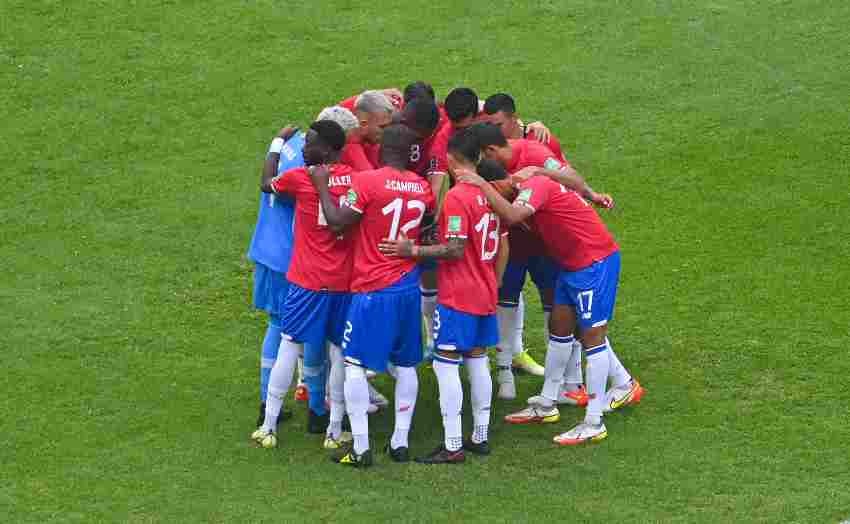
x=470, y=177
x=319, y=175
x=524, y=174
x=287, y=132
x=541, y=132
x=603, y=200
x=402, y=247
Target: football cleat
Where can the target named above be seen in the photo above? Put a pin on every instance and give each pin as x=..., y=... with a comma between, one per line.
x=352, y=459
x=301, y=393
x=577, y=397
x=535, y=413
x=266, y=439
x=479, y=448
x=337, y=443
x=582, y=433
x=443, y=456
x=626, y=395
x=317, y=424
x=401, y=454
x=526, y=362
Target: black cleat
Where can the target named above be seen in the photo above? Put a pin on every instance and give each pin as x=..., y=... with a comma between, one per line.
x=352, y=459
x=317, y=424
x=262, y=418
x=443, y=456
x=401, y=454
x=482, y=448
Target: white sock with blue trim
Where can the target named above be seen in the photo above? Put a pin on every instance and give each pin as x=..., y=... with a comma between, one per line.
x=597, y=380
x=573, y=378
x=279, y=381
x=406, y=389
x=451, y=400
x=557, y=356
x=617, y=371
x=480, y=395
x=357, y=405
x=336, y=391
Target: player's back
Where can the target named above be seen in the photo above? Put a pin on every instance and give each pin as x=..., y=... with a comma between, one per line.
x=528, y=153
x=392, y=203
x=573, y=233
x=468, y=283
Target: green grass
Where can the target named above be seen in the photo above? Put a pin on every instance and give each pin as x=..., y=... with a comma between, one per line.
x=133, y=135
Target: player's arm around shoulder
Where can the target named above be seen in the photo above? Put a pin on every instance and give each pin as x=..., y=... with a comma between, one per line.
x=273, y=157
x=337, y=217
x=508, y=212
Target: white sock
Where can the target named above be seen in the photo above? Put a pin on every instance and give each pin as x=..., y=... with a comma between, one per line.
x=406, y=389
x=480, y=393
x=519, y=322
x=336, y=391
x=428, y=298
x=597, y=379
x=357, y=404
x=557, y=355
x=300, y=369
x=506, y=317
x=280, y=380
x=546, y=316
x=573, y=378
x=616, y=371
x=451, y=401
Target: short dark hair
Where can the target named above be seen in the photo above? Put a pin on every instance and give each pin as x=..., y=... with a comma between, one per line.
x=398, y=138
x=460, y=103
x=490, y=170
x=499, y=102
x=488, y=135
x=465, y=144
x=330, y=132
x=422, y=114
x=418, y=89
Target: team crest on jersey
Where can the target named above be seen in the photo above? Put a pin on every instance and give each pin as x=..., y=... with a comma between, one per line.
x=351, y=197
x=454, y=224
x=553, y=164
x=524, y=195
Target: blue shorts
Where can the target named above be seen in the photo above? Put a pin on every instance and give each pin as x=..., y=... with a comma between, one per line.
x=544, y=274
x=270, y=289
x=592, y=291
x=385, y=326
x=458, y=331
x=312, y=317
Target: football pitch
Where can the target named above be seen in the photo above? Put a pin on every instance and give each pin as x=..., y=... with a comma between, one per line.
x=133, y=135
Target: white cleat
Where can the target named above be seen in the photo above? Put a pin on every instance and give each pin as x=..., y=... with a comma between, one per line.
x=336, y=443
x=266, y=439
x=582, y=433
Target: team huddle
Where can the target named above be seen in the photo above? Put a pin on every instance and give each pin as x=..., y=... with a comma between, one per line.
x=393, y=211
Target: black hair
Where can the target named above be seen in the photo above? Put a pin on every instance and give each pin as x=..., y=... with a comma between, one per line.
x=330, y=133
x=418, y=89
x=397, y=139
x=465, y=144
x=461, y=103
x=422, y=114
x=489, y=135
x=499, y=102
x=490, y=170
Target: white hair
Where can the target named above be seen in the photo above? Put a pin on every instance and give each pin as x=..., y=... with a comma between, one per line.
x=373, y=102
x=342, y=116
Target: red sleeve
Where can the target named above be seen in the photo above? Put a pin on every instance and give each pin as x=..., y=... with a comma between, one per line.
x=534, y=192
x=288, y=181
x=355, y=157
x=455, y=220
x=358, y=195
x=348, y=103
x=555, y=146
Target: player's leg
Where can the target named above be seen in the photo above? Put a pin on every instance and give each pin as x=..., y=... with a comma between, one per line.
x=270, y=288
x=336, y=393
x=404, y=357
x=271, y=343
x=279, y=383
x=315, y=377
x=510, y=320
x=481, y=384
x=428, y=301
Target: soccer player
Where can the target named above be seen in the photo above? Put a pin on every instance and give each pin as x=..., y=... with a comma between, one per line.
x=473, y=252
x=500, y=109
x=373, y=111
x=383, y=327
x=320, y=272
x=589, y=260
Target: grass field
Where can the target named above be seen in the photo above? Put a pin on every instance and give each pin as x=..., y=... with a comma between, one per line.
x=132, y=138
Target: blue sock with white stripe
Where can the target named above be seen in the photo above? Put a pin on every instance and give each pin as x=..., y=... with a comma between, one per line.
x=271, y=343
x=597, y=380
x=557, y=356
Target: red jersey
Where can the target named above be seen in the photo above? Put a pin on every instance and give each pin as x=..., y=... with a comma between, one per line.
x=553, y=144
x=469, y=283
x=321, y=259
x=359, y=155
x=573, y=233
x=390, y=202
x=424, y=157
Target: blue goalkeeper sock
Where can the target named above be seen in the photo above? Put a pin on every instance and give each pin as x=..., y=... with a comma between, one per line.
x=270, y=345
x=315, y=376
